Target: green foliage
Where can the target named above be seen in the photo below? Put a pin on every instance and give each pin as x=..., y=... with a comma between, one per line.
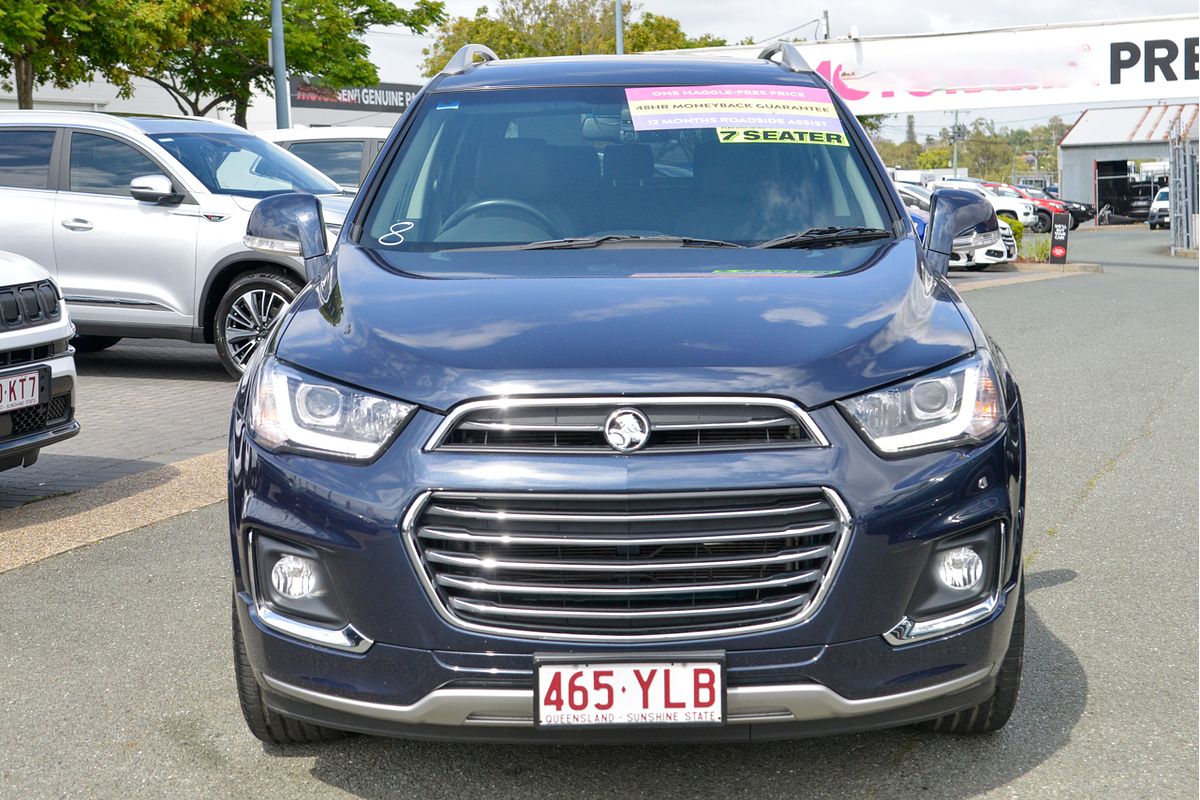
x=223, y=56
x=524, y=28
x=654, y=32
x=1018, y=230
x=872, y=123
x=935, y=157
x=68, y=41
x=1036, y=248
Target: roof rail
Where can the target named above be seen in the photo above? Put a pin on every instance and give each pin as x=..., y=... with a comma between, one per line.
x=464, y=59
x=789, y=56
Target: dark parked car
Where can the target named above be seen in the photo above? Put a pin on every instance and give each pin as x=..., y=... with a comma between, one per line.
x=628, y=405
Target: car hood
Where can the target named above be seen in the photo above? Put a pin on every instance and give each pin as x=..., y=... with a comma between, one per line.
x=15, y=269
x=813, y=338
x=333, y=206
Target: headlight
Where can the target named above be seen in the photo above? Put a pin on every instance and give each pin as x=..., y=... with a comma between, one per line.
x=289, y=409
x=975, y=240
x=959, y=404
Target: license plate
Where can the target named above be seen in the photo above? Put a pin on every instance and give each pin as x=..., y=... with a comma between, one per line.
x=19, y=391
x=630, y=693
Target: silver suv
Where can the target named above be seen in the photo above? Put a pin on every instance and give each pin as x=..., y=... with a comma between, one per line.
x=141, y=220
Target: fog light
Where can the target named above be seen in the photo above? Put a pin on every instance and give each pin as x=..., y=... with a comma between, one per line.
x=961, y=568
x=294, y=577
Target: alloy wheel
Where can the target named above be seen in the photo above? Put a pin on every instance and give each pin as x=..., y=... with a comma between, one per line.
x=249, y=320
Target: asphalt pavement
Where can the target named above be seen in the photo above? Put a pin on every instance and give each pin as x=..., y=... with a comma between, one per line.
x=117, y=674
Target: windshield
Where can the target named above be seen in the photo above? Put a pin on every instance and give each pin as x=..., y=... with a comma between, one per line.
x=507, y=168
x=1164, y=196
x=243, y=165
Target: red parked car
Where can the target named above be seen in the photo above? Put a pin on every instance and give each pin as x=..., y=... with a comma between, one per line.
x=1044, y=207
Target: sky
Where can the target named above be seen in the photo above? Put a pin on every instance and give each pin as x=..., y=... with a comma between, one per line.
x=399, y=56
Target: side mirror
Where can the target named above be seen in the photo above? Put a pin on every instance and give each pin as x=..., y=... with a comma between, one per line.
x=291, y=224
x=959, y=222
x=154, y=189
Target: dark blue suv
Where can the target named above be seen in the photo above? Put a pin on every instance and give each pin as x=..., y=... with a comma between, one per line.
x=628, y=406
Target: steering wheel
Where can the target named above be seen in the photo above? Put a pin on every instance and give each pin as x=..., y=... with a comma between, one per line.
x=470, y=209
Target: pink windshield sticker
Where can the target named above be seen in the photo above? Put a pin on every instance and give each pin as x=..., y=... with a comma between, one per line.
x=733, y=106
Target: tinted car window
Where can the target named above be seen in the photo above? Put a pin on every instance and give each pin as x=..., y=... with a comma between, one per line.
x=340, y=160
x=101, y=165
x=25, y=158
x=243, y=164
x=523, y=165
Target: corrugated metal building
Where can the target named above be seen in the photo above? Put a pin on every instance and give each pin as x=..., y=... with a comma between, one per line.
x=1113, y=135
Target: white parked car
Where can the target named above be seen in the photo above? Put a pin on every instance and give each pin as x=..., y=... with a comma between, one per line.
x=915, y=196
x=982, y=258
x=1013, y=207
x=344, y=154
x=1160, y=210
x=37, y=371
x=142, y=220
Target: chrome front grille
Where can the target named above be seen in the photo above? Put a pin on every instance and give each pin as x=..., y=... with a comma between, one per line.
x=577, y=425
x=627, y=566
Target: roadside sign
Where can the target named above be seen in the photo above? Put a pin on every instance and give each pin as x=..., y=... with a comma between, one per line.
x=1059, y=226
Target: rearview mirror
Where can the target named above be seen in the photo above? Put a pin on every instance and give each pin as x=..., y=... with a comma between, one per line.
x=959, y=222
x=154, y=189
x=291, y=224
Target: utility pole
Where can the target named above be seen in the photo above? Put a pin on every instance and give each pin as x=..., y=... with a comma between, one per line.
x=825, y=24
x=620, y=29
x=280, y=64
x=954, y=139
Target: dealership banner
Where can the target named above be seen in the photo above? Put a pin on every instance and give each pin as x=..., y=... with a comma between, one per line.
x=382, y=97
x=1139, y=61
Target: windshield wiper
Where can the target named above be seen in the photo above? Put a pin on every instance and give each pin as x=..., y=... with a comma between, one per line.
x=581, y=242
x=832, y=235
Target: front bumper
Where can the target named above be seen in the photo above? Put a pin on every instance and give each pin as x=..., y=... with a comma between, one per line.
x=468, y=701
x=835, y=671
x=20, y=444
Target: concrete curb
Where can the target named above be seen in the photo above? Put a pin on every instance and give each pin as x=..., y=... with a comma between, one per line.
x=1192, y=254
x=1024, y=266
x=39, y=530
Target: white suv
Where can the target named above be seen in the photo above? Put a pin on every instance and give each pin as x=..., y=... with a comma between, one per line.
x=142, y=219
x=37, y=372
x=343, y=153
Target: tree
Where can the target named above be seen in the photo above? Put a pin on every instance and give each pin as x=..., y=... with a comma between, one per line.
x=986, y=152
x=523, y=28
x=910, y=129
x=934, y=157
x=66, y=42
x=654, y=32
x=224, y=56
x=872, y=123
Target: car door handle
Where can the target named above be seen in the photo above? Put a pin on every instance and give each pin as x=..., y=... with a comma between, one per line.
x=77, y=224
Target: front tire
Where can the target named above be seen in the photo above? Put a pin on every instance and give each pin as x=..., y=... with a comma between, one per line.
x=246, y=314
x=992, y=714
x=267, y=725
x=1043, y=222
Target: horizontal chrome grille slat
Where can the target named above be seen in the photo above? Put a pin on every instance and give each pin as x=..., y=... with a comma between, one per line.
x=479, y=585
x=569, y=540
x=492, y=564
x=672, y=424
x=519, y=516
x=627, y=567
x=550, y=613
x=749, y=423
x=513, y=426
